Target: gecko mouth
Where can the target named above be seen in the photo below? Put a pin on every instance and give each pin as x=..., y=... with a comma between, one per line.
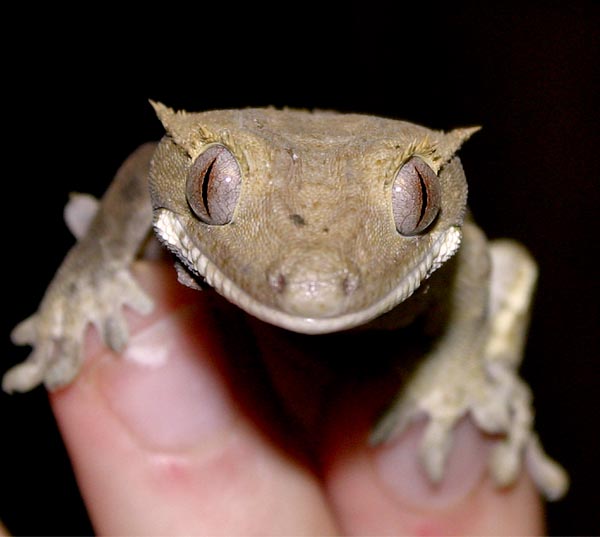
x=171, y=232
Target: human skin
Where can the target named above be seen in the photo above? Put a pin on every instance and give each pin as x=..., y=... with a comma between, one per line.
x=181, y=435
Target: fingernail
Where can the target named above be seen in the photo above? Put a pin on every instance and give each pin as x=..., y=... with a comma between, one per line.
x=403, y=475
x=165, y=387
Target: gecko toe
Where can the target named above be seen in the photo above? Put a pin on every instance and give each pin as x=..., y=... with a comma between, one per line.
x=23, y=377
x=435, y=447
x=550, y=477
x=131, y=294
x=64, y=365
x=115, y=332
x=24, y=333
x=505, y=463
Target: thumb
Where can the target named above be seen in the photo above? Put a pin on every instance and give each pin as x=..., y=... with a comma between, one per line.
x=159, y=443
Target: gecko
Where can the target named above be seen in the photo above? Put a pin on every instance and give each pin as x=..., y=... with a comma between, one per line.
x=316, y=222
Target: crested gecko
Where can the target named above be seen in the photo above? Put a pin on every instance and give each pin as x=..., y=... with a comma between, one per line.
x=315, y=222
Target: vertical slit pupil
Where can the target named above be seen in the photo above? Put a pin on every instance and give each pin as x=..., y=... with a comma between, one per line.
x=205, y=185
x=424, y=196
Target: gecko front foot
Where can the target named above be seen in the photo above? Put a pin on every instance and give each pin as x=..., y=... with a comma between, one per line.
x=93, y=283
x=499, y=406
x=475, y=373
x=56, y=330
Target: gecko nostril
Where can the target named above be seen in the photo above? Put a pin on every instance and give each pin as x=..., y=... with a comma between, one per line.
x=277, y=282
x=350, y=283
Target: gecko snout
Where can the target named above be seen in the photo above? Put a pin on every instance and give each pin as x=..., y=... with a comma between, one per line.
x=317, y=283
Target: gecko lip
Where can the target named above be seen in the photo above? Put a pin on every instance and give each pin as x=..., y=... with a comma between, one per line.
x=172, y=233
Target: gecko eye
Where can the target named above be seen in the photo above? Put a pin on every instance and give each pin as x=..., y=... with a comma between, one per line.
x=415, y=197
x=213, y=185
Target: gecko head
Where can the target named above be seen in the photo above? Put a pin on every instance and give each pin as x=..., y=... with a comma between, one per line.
x=315, y=222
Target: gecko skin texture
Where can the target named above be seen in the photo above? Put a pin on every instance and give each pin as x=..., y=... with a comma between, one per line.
x=315, y=222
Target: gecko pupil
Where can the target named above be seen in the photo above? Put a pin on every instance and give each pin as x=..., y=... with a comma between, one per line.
x=213, y=185
x=415, y=197
x=206, y=185
x=424, y=199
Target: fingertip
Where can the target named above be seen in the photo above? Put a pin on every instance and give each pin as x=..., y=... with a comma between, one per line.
x=141, y=425
x=158, y=441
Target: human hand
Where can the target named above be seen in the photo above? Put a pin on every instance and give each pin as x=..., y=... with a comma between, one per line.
x=182, y=435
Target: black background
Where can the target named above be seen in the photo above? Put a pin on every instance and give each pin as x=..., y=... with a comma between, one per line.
x=75, y=89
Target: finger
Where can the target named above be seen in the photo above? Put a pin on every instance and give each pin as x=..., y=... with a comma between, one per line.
x=159, y=443
x=385, y=490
